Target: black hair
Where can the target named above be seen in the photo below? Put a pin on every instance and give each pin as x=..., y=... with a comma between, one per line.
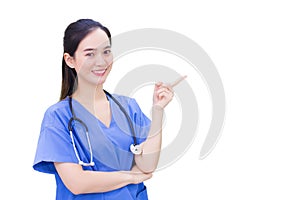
x=73, y=35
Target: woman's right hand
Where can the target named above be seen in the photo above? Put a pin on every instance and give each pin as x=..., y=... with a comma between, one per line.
x=138, y=176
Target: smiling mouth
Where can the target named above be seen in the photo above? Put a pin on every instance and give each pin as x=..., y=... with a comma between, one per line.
x=99, y=72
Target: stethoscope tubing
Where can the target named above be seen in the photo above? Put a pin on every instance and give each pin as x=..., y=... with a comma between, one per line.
x=134, y=147
x=126, y=115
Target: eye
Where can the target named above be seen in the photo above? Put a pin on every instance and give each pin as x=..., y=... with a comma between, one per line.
x=90, y=54
x=107, y=52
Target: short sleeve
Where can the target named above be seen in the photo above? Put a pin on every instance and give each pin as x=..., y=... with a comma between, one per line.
x=141, y=122
x=54, y=144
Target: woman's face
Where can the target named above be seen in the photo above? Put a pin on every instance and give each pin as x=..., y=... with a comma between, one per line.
x=93, y=58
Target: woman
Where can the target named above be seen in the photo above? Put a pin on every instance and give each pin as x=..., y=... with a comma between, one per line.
x=86, y=139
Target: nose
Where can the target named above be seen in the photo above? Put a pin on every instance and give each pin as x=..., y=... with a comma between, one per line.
x=99, y=60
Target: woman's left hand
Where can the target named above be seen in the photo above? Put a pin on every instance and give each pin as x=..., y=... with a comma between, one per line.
x=162, y=95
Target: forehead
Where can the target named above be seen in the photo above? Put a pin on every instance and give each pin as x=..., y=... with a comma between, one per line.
x=95, y=39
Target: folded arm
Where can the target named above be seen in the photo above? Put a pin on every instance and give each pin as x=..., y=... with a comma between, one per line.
x=80, y=181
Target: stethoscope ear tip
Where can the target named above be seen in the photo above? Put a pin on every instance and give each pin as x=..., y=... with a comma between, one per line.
x=86, y=164
x=81, y=163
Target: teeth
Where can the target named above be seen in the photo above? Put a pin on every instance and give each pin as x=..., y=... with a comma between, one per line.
x=99, y=71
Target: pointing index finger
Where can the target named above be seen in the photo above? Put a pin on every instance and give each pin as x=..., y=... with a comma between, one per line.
x=176, y=82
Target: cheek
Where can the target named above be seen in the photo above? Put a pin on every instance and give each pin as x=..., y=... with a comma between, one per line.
x=78, y=69
x=109, y=59
x=82, y=66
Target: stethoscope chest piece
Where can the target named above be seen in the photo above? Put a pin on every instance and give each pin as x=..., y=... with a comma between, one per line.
x=136, y=149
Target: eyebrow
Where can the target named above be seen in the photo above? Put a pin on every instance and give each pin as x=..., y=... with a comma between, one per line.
x=94, y=49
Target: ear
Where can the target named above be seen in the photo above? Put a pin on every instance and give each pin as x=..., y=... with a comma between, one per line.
x=69, y=60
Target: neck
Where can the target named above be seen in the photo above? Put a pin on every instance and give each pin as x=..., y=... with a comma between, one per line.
x=89, y=95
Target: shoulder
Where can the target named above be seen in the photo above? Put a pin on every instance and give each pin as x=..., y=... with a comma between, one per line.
x=129, y=103
x=57, y=107
x=123, y=99
x=58, y=111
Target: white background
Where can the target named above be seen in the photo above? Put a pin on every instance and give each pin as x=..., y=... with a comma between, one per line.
x=255, y=47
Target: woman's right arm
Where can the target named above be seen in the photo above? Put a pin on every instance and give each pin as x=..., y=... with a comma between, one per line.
x=80, y=181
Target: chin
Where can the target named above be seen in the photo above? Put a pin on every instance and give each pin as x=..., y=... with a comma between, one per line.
x=101, y=81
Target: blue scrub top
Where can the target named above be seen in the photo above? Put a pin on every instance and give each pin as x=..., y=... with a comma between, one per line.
x=110, y=145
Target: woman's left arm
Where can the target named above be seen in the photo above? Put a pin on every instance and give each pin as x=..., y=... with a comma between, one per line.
x=148, y=160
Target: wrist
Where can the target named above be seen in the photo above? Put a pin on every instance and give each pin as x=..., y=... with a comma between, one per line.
x=128, y=177
x=157, y=107
x=157, y=111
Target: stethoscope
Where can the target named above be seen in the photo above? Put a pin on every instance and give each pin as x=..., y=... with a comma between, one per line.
x=134, y=148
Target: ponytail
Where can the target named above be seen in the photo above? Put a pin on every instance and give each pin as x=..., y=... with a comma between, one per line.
x=69, y=81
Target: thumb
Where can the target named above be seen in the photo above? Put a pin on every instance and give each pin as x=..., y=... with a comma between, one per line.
x=157, y=85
